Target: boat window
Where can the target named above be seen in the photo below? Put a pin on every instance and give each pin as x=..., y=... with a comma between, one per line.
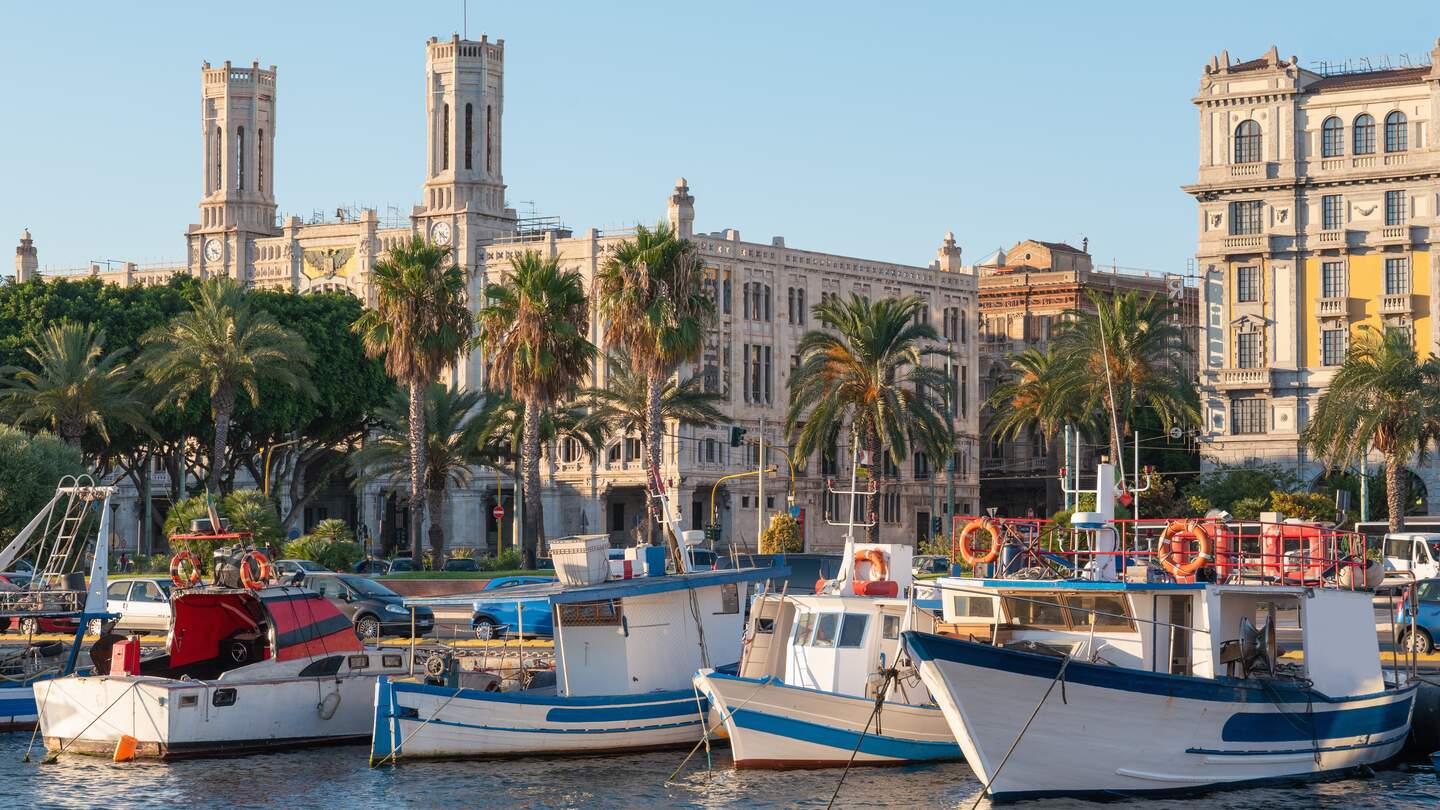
x=825, y=630
x=323, y=667
x=1036, y=610
x=188, y=701
x=729, y=598
x=605, y=613
x=391, y=661
x=359, y=662
x=803, y=626
x=223, y=697
x=891, y=627
x=765, y=625
x=1109, y=610
x=852, y=632
x=974, y=607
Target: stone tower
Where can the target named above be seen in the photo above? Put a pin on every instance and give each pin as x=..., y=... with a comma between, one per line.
x=949, y=254
x=237, y=111
x=464, y=193
x=681, y=210
x=27, y=261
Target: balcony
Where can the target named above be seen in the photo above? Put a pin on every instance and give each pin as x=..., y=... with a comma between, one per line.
x=1362, y=163
x=1330, y=238
x=1244, y=244
x=1331, y=307
x=1247, y=170
x=1396, y=160
x=1398, y=304
x=1228, y=378
x=1395, y=234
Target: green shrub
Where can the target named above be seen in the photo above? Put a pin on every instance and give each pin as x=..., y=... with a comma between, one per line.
x=337, y=555
x=463, y=553
x=1250, y=508
x=782, y=536
x=504, y=561
x=333, y=529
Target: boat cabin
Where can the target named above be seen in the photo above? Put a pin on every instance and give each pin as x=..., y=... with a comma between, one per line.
x=1195, y=629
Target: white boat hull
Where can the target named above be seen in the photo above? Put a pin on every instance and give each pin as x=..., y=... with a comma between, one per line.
x=1106, y=730
x=173, y=718
x=771, y=724
x=415, y=720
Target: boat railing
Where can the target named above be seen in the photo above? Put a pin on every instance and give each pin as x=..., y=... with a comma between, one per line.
x=1237, y=552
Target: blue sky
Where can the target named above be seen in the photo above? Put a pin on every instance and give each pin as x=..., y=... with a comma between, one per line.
x=866, y=129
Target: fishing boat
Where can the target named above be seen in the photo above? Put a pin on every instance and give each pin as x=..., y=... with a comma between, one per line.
x=1154, y=667
x=54, y=594
x=625, y=651
x=248, y=666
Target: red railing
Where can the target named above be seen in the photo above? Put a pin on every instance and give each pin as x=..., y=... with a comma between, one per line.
x=1240, y=552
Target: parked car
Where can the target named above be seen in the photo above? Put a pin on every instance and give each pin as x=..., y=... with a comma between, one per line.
x=375, y=609
x=141, y=604
x=460, y=564
x=285, y=569
x=498, y=617
x=30, y=625
x=400, y=564
x=1427, y=618
x=372, y=566
x=930, y=564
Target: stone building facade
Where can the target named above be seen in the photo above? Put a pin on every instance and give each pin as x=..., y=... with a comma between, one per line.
x=1317, y=215
x=765, y=291
x=1024, y=294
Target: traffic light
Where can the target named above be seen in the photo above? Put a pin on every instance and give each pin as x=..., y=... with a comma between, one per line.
x=937, y=524
x=737, y=436
x=712, y=533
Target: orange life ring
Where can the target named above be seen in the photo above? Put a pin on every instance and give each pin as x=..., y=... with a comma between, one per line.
x=968, y=553
x=878, y=564
x=264, y=569
x=1204, y=552
x=193, y=578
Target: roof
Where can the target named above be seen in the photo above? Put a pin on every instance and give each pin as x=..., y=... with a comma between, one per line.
x=1371, y=78
x=1060, y=246
x=612, y=589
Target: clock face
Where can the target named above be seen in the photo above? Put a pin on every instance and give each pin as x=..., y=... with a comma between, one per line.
x=214, y=250
x=440, y=233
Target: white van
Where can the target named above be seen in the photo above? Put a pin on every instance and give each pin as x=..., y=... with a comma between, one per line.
x=1412, y=555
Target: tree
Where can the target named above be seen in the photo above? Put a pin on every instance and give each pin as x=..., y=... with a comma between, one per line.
x=651, y=291
x=1383, y=397
x=419, y=325
x=30, y=468
x=77, y=389
x=224, y=347
x=866, y=369
x=533, y=327
x=782, y=536
x=247, y=510
x=457, y=426
x=1124, y=356
x=1040, y=391
x=622, y=406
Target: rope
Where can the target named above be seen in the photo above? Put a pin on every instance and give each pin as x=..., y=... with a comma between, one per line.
x=38, y=712
x=1059, y=677
x=724, y=716
x=394, y=749
x=874, y=714
x=704, y=731
x=56, y=755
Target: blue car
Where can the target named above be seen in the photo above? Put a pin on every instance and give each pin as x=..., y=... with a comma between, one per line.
x=1427, y=618
x=497, y=616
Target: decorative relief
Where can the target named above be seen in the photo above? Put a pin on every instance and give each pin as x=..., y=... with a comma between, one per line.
x=327, y=262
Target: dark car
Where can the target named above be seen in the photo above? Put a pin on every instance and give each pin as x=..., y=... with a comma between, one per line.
x=401, y=564
x=375, y=609
x=372, y=565
x=461, y=564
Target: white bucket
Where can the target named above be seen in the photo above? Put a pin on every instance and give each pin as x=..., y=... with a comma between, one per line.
x=581, y=560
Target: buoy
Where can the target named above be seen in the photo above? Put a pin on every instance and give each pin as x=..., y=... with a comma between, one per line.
x=125, y=749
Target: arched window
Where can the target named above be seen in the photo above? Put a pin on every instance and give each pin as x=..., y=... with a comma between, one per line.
x=1395, y=132
x=1364, y=136
x=260, y=162
x=469, y=133
x=445, y=137
x=240, y=158
x=1332, y=137
x=1247, y=142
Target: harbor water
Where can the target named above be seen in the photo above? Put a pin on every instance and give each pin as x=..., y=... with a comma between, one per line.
x=340, y=778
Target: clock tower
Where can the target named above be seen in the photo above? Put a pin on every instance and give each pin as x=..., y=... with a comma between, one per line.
x=464, y=192
x=237, y=127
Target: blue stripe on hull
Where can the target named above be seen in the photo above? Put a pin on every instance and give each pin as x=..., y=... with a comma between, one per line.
x=543, y=730
x=1328, y=725
x=17, y=706
x=844, y=740
x=610, y=714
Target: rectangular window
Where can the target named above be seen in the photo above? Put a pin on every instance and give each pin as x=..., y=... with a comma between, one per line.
x=1247, y=415
x=803, y=626
x=1247, y=284
x=1110, y=612
x=890, y=627
x=1397, y=276
x=1332, y=347
x=974, y=607
x=769, y=399
x=890, y=507
x=1395, y=213
x=1331, y=206
x=1332, y=280
x=1245, y=217
x=745, y=298
x=1247, y=350
x=745, y=373
x=852, y=632
x=725, y=293
x=825, y=630
x=1036, y=610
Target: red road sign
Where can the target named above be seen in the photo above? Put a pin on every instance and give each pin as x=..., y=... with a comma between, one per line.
x=498, y=511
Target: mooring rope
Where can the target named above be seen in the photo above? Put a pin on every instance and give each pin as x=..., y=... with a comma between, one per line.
x=890, y=675
x=1059, y=678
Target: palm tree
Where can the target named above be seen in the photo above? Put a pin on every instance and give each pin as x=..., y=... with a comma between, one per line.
x=419, y=325
x=77, y=387
x=623, y=405
x=651, y=291
x=457, y=430
x=866, y=369
x=533, y=326
x=1040, y=392
x=224, y=347
x=1124, y=356
x=1383, y=397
